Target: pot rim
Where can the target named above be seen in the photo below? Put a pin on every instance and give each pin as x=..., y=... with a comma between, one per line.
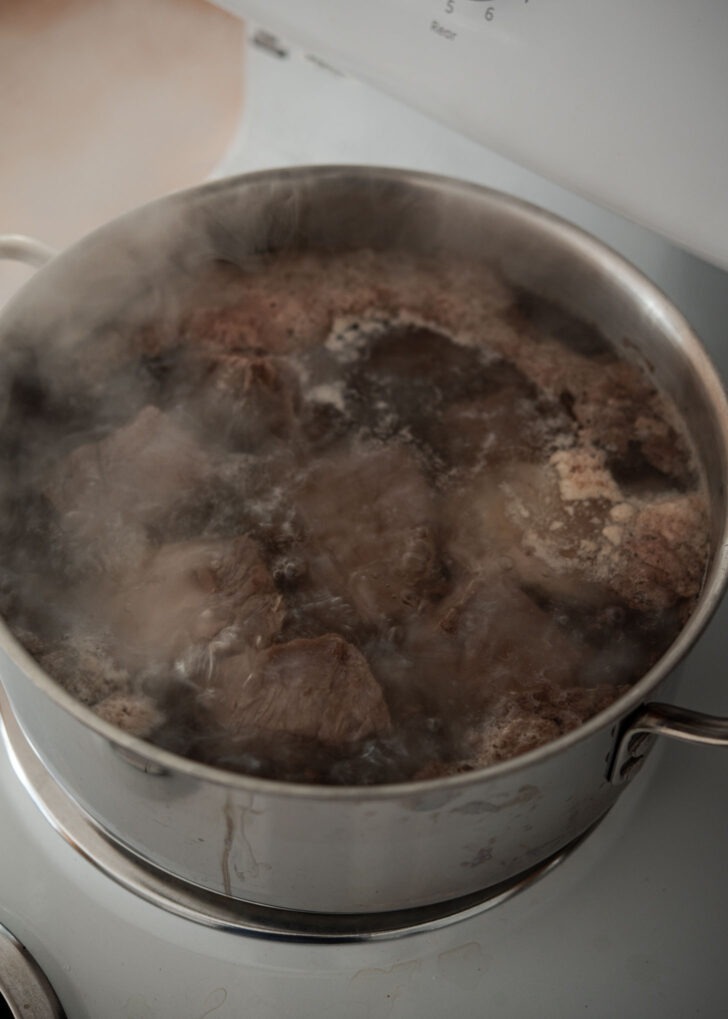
x=628, y=278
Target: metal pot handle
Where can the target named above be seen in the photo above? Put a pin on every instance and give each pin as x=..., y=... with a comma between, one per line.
x=18, y=248
x=647, y=723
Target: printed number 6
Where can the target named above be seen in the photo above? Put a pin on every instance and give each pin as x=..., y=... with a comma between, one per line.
x=489, y=13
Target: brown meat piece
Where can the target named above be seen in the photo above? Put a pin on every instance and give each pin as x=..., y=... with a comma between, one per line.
x=527, y=719
x=217, y=595
x=485, y=638
x=501, y=639
x=583, y=475
x=245, y=400
x=480, y=519
x=614, y=404
x=550, y=524
x=137, y=713
x=660, y=558
x=320, y=689
x=111, y=490
x=368, y=521
x=275, y=311
x=607, y=400
x=662, y=445
x=290, y=303
x=82, y=665
x=524, y=516
x=604, y=395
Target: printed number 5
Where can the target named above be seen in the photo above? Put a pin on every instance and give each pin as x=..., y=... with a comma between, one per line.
x=449, y=6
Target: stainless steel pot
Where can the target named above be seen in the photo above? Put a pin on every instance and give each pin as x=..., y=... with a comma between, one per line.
x=363, y=850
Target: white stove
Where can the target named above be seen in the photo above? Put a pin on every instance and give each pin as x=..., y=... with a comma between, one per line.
x=633, y=922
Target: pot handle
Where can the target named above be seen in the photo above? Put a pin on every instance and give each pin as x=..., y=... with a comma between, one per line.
x=18, y=248
x=642, y=728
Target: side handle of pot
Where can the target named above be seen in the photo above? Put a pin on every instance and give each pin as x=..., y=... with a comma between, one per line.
x=18, y=248
x=640, y=730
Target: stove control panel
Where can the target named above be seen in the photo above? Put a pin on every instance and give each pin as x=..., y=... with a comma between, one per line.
x=622, y=103
x=483, y=14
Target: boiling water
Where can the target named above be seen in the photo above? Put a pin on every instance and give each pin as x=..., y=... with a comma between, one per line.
x=349, y=520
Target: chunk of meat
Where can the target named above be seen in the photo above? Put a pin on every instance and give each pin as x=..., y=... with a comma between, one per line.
x=135, y=713
x=485, y=621
x=84, y=667
x=583, y=475
x=523, y=516
x=660, y=558
x=663, y=444
x=244, y=400
x=547, y=523
x=525, y=720
x=603, y=394
x=368, y=518
x=112, y=490
x=321, y=689
x=457, y=661
x=480, y=521
x=275, y=311
x=612, y=401
x=217, y=595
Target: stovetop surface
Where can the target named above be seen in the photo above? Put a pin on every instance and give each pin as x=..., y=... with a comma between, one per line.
x=634, y=923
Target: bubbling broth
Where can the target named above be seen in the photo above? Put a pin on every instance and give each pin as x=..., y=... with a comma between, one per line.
x=351, y=520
